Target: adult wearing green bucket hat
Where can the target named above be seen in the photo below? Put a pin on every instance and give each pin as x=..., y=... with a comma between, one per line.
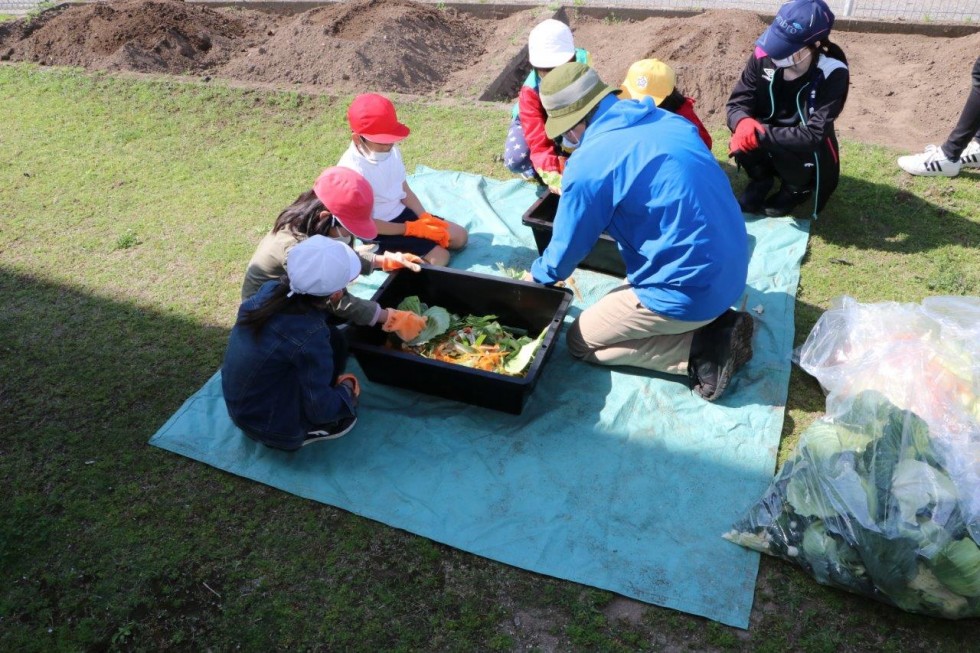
x=643, y=175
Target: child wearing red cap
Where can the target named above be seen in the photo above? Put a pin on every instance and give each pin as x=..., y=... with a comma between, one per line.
x=401, y=221
x=338, y=207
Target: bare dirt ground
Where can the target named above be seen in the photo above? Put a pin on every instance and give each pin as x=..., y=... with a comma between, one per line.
x=907, y=89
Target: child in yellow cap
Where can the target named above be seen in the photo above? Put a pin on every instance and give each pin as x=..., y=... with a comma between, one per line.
x=655, y=79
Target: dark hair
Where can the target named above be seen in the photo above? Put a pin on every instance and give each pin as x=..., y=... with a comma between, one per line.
x=833, y=51
x=302, y=217
x=279, y=302
x=673, y=101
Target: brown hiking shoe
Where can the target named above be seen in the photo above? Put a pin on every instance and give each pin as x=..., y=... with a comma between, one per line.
x=718, y=350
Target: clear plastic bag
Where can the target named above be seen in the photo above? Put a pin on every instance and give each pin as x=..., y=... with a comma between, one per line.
x=882, y=496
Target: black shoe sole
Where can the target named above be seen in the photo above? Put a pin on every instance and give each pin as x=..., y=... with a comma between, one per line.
x=319, y=436
x=785, y=209
x=740, y=353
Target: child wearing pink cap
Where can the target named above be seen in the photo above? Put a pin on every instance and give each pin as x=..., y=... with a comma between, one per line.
x=401, y=221
x=338, y=207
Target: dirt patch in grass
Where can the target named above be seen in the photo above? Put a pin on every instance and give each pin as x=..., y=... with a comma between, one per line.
x=907, y=89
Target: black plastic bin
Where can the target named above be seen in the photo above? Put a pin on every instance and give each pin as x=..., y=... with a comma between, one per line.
x=517, y=305
x=604, y=257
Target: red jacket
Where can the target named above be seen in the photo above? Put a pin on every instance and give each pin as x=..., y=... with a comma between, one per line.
x=546, y=157
x=545, y=153
x=687, y=110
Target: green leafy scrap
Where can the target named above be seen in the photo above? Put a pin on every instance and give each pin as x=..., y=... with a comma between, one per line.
x=866, y=505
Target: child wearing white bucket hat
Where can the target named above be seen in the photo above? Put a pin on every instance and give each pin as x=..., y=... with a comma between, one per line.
x=528, y=151
x=282, y=377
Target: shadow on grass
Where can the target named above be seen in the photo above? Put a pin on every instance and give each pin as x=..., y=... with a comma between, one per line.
x=869, y=216
x=97, y=529
x=111, y=544
x=865, y=215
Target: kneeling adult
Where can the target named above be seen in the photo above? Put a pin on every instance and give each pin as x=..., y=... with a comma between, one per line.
x=642, y=175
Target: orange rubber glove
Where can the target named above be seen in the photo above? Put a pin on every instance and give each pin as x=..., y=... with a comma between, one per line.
x=355, y=385
x=430, y=229
x=405, y=324
x=429, y=217
x=745, y=138
x=396, y=260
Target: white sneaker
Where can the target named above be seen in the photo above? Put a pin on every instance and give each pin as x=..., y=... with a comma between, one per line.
x=931, y=163
x=970, y=157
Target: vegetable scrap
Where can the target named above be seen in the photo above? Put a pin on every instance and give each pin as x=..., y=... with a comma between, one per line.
x=882, y=496
x=867, y=505
x=513, y=273
x=478, y=342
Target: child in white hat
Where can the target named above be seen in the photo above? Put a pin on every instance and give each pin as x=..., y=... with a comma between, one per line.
x=282, y=377
x=528, y=151
x=339, y=207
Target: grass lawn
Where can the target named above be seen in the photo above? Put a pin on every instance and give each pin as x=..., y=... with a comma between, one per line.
x=128, y=210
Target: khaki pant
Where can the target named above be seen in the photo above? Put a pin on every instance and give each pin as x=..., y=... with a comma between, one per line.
x=619, y=330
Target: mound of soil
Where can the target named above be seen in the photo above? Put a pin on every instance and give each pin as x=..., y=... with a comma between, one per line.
x=707, y=51
x=906, y=89
x=165, y=36
x=365, y=45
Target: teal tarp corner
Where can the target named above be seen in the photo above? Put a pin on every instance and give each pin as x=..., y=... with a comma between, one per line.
x=613, y=478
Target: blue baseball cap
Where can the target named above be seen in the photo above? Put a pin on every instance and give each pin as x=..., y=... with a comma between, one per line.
x=798, y=23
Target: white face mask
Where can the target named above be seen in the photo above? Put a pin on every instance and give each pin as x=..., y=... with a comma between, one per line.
x=375, y=157
x=371, y=155
x=792, y=59
x=568, y=142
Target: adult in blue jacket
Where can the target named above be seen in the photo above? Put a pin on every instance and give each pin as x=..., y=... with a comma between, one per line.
x=644, y=176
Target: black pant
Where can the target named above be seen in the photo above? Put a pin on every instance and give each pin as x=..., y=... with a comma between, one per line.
x=969, y=124
x=798, y=170
x=793, y=168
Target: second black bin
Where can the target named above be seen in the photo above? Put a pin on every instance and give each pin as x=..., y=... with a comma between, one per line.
x=517, y=304
x=604, y=257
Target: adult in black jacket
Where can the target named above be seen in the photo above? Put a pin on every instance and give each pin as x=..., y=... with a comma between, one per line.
x=783, y=108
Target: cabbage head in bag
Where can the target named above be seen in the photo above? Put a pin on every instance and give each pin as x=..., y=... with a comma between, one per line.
x=877, y=499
